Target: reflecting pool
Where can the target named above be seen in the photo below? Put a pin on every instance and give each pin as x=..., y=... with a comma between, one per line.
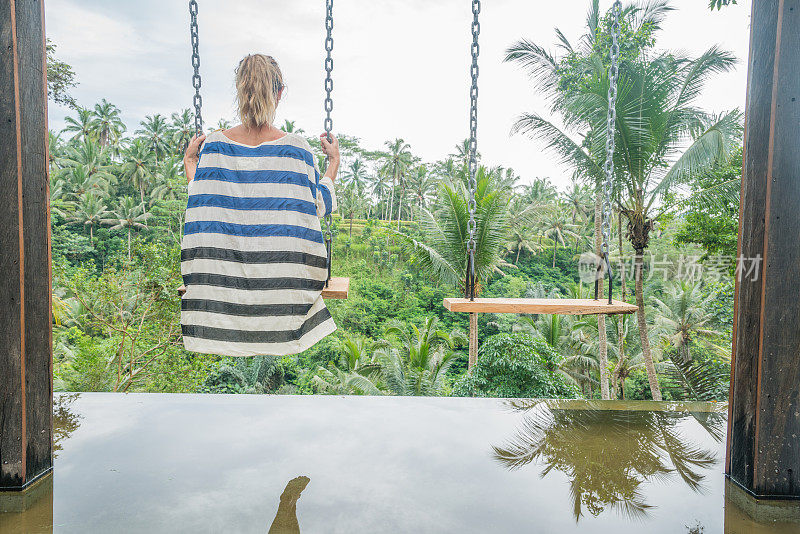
x=324, y=464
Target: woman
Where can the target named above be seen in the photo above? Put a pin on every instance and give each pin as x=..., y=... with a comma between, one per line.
x=253, y=257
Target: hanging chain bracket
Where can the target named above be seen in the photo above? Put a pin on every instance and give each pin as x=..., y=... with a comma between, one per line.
x=608, y=167
x=196, y=81
x=328, y=125
x=473, y=151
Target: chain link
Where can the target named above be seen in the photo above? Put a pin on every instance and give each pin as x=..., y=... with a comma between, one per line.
x=613, y=78
x=473, y=125
x=196, y=81
x=473, y=150
x=328, y=86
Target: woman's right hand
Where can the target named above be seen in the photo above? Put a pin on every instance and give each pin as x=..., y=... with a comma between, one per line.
x=192, y=156
x=330, y=147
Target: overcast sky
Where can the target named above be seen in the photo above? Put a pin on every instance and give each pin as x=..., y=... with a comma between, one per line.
x=401, y=67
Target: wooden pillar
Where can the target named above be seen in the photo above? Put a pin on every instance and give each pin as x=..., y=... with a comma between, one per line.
x=764, y=423
x=25, y=293
x=473, y=341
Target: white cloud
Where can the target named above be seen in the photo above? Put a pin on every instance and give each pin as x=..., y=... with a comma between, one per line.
x=401, y=68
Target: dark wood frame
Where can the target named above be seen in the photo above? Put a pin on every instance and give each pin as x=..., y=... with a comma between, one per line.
x=26, y=371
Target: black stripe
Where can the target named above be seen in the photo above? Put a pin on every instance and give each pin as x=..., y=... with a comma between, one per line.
x=244, y=310
x=256, y=336
x=241, y=282
x=242, y=256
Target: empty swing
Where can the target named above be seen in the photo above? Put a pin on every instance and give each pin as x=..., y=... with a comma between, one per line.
x=336, y=288
x=595, y=306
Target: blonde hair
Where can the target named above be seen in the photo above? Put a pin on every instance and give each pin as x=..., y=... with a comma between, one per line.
x=258, y=83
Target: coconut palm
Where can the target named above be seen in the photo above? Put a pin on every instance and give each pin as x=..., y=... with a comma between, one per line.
x=415, y=361
x=89, y=212
x=157, y=135
x=395, y=163
x=443, y=251
x=80, y=126
x=106, y=124
x=662, y=137
x=182, y=129
x=289, y=127
x=421, y=183
x=138, y=165
x=355, y=174
x=75, y=182
x=128, y=215
x=91, y=156
x=355, y=372
x=171, y=184
x=557, y=227
x=681, y=318
x=351, y=201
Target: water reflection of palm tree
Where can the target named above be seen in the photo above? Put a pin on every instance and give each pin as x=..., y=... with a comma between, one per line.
x=609, y=454
x=65, y=422
x=285, y=521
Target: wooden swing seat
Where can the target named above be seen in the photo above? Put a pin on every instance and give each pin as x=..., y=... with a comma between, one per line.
x=338, y=289
x=543, y=306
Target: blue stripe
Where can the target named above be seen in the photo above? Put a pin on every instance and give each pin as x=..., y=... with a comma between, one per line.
x=326, y=197
x=253, y=230
x=262, y=151
x=252, y=203
x=254, y=177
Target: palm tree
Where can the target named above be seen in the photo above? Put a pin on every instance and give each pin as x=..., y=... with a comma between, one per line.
x=350, y=202
x=557, y=228
x=106, y=124
x=82, y=126
x=289, y=127
x=182, y=129
x=170, y=181
x=461, y=155
x=355, y=174
x=139, y=161
x=443, y=250
x=422, y=184
x=355, y=373
x=396, y=162
x=128, y=215
x=681, y=318
x=89, y=211
x=156, y=132
x=662, y=137
x=415, y=361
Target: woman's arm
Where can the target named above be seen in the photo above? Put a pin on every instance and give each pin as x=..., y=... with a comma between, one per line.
x=192, y=157
x=331, y=149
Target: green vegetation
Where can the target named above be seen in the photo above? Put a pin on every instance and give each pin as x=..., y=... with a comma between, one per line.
x=118, y=201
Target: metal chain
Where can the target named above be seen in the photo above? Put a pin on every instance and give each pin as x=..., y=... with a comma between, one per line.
x=473, y=149
x=196, y=82
x=613, y=79
x=328, y=108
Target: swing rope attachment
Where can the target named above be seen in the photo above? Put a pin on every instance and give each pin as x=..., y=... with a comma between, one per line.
x=328, y=120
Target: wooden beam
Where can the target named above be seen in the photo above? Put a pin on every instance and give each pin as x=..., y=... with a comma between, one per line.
x=764, y=422
x=544, y=306
x=25, y=295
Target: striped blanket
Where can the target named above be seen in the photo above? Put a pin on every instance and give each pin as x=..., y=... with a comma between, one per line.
x=253, y=257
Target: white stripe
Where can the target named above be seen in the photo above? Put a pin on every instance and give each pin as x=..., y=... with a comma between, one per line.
x=253, y=244
x=229, y=348
x=258, y=163
x=254, y=270
x=233, y=189
x=252, y=324
x=294, y=218
x=252, y=296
